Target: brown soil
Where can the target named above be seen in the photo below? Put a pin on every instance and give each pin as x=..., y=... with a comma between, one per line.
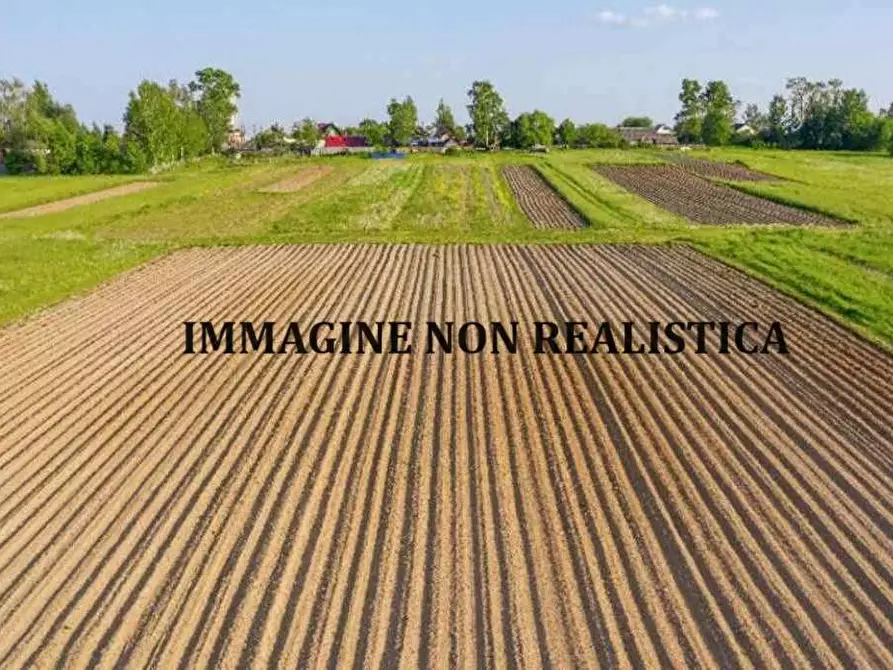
x=159, y=509
x=86, y=199
x=301, y=180
x=703, y=201
x=719, y=170
x=539, y=201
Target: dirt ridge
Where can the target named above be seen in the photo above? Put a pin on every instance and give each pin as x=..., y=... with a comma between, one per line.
x=433, y=510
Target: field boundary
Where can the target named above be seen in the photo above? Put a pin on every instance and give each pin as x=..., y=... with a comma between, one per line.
x=745, y=187
x=859, y=331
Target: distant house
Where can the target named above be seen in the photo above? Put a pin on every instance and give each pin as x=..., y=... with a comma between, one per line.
x=328, y=129
x=745, y=130
x=662, y=136
x=433, y=143
x=235, y=139
x=332, y=141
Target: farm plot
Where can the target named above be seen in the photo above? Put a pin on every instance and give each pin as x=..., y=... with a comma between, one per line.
x=298, y=510
x=702, y=201
x=76, y=201
x=299, y=181
x=539, y=201
x=719, y=170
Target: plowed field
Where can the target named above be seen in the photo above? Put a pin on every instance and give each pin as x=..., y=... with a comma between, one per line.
x=539, y=201
x=702, y=201
x=719, y=170
x=359, y=510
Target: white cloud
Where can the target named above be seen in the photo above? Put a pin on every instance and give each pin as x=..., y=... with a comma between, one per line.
x=611, y=18
x=706, y=14
x=666, y=12
x=662, y=13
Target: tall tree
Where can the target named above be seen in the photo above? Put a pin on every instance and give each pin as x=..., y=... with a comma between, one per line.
x=719, y=114
x=776, y=122
x=444, y=122
x=487, y=112
x=216, y=92
x=690, y=119
x=375, y=132
x=152, y=122
x=754, y=117
x=306, y=133
x=566, y=135
x=403, y=118
x=532, y=129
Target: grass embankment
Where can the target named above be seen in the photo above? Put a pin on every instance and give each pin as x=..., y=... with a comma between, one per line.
x=434, y=199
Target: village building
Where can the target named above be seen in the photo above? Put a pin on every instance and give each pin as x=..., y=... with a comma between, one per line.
x=660, y=136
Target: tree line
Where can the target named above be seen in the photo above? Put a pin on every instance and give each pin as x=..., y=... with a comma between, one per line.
x=162, y=125
x=808, y=115
x=166, y=124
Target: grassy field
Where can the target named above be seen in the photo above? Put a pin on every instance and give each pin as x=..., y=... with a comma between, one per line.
x=846, y=272
x=20, y=192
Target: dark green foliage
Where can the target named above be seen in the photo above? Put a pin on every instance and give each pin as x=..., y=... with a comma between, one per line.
x=597, y=136
x=825, y=115
x=375, y=132
x=531, y=129
x=403, y=119
x=566, y=135
x=215, y=91
x=719, y=114
x=489, y=119
x=690, y=119
x=637, y=122
x=444, y=121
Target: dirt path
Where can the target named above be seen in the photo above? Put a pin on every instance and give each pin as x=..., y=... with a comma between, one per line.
x=301, y=180
x=307, y=510
x=86, y=199
x=539, y=201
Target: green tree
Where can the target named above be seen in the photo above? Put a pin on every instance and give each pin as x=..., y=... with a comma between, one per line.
x=216, y=92
x=597, y=136
x=403, y=118
x=13, y=97
x=306, y=133
x=566, y=135
x=488, y=116
x=444, y=122
x=719, y=114
x=754, y=117
x=152, y=122
x=637, y=122
x=375, y=132
x=111, y=159
x=532, y=129
x=776, y=132
x=690, y=119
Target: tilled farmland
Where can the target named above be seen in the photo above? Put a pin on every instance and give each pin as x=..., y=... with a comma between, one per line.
x=702, y=201
x=220, y=510
x=719, y=170
x=539, y=201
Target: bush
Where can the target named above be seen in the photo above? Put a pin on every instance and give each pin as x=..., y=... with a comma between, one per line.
x=18, y=162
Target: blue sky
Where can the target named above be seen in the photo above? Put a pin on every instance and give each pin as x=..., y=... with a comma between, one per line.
x=341, y=61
